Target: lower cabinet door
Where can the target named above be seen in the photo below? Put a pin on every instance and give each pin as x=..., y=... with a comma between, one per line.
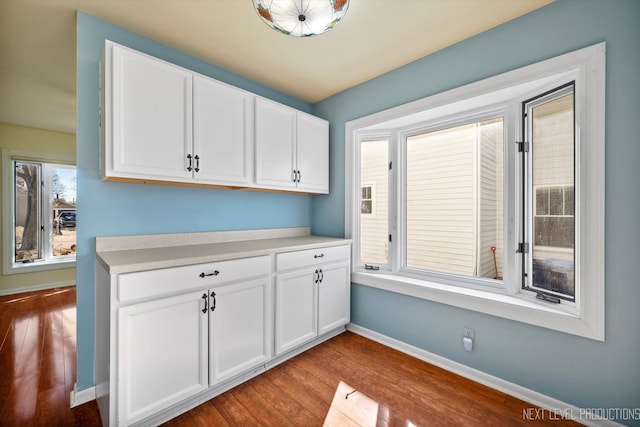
x=334, y=302
x=240, y=328
x=161, y=354
x=296, y=315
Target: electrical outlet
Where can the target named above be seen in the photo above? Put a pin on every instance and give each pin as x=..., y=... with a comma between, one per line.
x=469, y=332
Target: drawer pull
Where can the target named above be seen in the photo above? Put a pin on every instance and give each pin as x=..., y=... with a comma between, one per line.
x=319, y=256
x=203, y=274
x=206, y=303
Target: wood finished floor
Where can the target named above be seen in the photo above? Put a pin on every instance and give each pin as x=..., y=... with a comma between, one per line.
x=384, y=387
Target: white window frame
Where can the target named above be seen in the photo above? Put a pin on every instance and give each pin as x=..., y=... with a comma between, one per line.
x=585, y=317
x=9, y=266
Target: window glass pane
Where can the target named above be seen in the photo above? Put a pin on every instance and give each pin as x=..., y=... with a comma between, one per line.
x=63, y=202
x=27, y=211
x=552, y=163
x=542, y=201
x=568, y=200
x=454, y=200
x=374, y=226
x=366, y=207
x=556, y=201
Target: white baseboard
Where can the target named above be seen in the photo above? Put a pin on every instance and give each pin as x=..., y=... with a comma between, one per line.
x=554, y=407
x=36, y=288
x=82, y=396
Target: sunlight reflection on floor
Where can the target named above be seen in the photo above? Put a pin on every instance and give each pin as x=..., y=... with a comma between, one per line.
x=350, y=407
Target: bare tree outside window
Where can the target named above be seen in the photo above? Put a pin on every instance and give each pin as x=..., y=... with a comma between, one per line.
x=28, y=215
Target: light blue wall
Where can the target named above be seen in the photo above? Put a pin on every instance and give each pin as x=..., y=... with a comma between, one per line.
x=122, y=209
x=578, y=371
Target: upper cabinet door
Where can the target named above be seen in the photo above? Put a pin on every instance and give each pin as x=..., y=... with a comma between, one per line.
x=313, y=153
x=222, y=133
x=148, y=108
x=275, y=145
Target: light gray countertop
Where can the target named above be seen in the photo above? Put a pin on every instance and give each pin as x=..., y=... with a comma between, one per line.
x=133, y=260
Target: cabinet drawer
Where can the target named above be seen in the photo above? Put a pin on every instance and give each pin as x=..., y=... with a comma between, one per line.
x=289, y=260
x=153, y=283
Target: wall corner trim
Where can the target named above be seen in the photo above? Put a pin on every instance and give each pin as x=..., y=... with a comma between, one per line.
x=77, y=398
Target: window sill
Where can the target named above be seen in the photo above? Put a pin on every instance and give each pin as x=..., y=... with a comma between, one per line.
x=40, y=266
x=498, y=304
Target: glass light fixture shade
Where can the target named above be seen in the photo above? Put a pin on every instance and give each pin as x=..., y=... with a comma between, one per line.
x=301, y=18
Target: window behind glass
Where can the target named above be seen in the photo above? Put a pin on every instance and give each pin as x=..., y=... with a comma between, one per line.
x=454, y=200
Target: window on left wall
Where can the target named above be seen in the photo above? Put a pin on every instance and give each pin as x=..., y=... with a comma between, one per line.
x=39, y=199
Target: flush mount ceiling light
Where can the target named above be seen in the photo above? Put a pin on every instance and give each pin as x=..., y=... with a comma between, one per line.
x=301, y=18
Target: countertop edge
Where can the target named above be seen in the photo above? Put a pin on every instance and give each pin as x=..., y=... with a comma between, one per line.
x=136, y=260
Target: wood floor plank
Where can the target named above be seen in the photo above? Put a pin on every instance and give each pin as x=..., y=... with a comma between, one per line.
x=232, y=410
x=206, y=415
x=289, y=408
x=299, y=391
x=260, y=407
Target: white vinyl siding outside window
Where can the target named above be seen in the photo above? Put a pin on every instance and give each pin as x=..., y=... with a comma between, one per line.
x=489, y=197
x=454, y=199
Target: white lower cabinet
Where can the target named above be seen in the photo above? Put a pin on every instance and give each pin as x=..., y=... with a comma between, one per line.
x=162, y=356
x=172, y=348
x=334, y=290
x=296, y=309
x=173, y=337
x=239, y=328
x=313, y=297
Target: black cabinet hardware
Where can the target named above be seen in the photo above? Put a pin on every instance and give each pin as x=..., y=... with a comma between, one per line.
x=206, y=303
x=213, y=306
x=203, y=274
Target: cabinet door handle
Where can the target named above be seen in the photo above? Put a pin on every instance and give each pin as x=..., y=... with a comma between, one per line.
x=316, y=276
x=299, y=176
x=321, y=275
x=197, y=169
x=294, y=176
x=213, y=295
x=206, y=303
x=318, y=256
x=189, y=168
x=203, y=274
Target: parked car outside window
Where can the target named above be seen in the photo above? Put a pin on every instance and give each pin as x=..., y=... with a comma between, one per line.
x=67, y=219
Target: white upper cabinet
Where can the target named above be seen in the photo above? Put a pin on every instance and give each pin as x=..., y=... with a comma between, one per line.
x=292, y=149
x=222, y=139
x=148, y=116
x=163, y=123
x=275, y=145
x=312, y=153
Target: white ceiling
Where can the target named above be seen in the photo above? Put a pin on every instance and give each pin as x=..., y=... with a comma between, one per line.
x=38, y=44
